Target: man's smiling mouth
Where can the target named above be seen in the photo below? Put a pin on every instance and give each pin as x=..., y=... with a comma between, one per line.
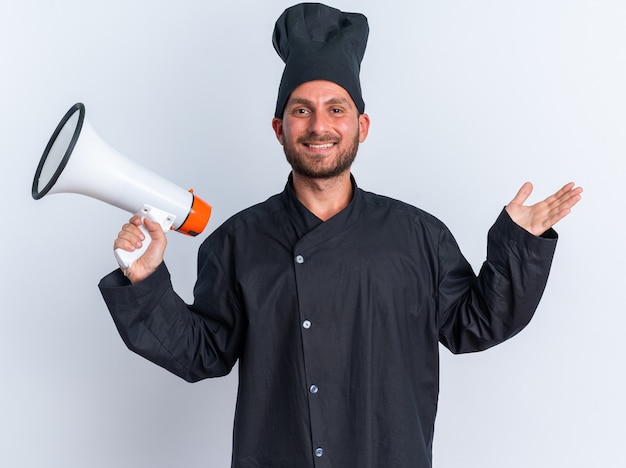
x=320, y=147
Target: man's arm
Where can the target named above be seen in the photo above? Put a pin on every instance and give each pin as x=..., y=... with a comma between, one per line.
x=503, y=298
x=193, y=342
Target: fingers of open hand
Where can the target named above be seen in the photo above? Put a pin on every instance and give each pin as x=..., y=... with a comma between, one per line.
x=541, y=216
x=560, y=204
x=562, y=201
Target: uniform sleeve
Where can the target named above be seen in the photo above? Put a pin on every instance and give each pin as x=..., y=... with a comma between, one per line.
x=192, y=341
x=476, y=313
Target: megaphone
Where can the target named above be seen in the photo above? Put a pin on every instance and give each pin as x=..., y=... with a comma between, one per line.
x=76, y=160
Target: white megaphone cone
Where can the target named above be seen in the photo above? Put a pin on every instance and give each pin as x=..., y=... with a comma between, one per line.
x=76, y=160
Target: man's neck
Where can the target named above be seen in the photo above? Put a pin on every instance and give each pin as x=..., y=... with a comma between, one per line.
x=324, y=197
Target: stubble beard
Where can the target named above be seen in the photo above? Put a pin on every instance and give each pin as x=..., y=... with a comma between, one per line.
x=300, y=162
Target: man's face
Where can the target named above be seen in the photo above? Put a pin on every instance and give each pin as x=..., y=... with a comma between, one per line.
x=320, y=130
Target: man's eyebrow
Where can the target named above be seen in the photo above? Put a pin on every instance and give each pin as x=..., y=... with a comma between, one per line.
x=332, y=101
x=340, y=100
x=297, y=100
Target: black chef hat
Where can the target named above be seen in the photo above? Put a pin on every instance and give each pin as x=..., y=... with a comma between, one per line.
x=318, y=42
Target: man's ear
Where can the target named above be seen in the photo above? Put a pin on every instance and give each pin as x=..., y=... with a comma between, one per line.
x=364, y=127
x=277, y=125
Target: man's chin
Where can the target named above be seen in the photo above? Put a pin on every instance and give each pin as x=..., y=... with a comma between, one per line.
x=321, y=168
x=320, y=173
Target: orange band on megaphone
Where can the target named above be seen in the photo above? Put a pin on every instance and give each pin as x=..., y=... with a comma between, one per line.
x=198, y=217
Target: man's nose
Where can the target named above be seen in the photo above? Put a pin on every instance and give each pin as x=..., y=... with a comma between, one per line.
x=318, y=123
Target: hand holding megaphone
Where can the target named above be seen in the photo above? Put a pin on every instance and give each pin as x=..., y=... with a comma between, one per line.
x=136, y=236
x=76, y=160
x=146, y=237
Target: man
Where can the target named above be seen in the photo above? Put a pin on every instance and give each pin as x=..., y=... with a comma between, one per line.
x=333, y=300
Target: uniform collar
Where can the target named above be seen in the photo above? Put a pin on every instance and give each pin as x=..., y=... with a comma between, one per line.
x=305, y=222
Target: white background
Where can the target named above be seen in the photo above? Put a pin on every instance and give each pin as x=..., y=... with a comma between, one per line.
x=468, y=99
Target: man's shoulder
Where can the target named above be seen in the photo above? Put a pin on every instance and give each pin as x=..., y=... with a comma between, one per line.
x=401, y=209
x=261, y=212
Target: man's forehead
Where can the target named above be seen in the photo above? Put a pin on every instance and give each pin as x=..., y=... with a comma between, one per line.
x=320, y=91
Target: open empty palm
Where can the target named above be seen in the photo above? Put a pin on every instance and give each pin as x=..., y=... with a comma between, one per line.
x=540, y=217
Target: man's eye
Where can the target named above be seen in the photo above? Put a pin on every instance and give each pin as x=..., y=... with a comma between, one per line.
x=336, y=110
x=300, y=111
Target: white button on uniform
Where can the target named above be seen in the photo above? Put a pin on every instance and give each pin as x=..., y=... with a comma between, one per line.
x=319, y=452
x=313, y=389
x=306, y=324
x=300, y=259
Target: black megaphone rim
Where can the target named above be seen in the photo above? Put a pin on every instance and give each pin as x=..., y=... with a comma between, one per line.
x=37, y=194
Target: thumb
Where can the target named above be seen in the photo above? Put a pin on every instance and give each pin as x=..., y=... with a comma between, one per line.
x=154, y=229
x=523, y=194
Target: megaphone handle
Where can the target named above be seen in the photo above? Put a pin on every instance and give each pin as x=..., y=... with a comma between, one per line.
x=125, y=259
